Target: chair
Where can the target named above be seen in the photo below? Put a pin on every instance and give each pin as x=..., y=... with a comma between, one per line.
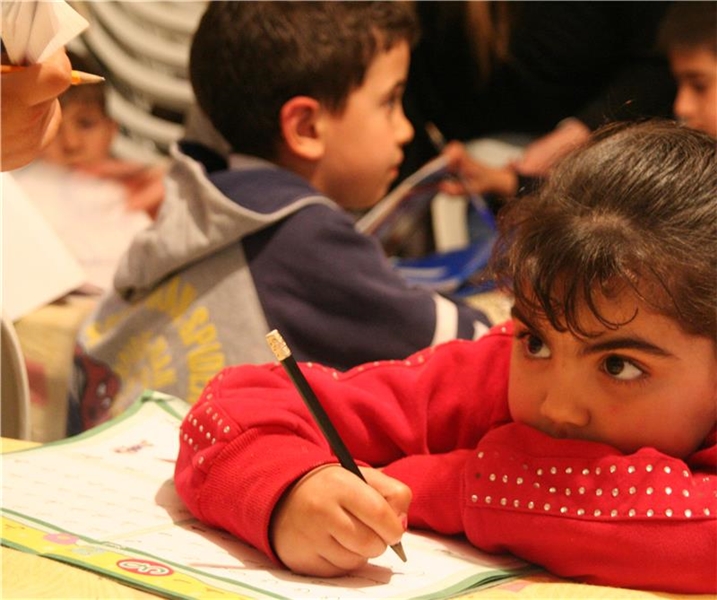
x=15, y=391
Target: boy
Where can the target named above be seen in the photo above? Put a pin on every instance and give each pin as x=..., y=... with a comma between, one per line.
x=308, y=97
x=689, y=37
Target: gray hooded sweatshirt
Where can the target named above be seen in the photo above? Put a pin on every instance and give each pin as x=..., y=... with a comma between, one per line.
x=240, y=247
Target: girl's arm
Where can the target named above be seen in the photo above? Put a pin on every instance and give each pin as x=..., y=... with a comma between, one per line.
x=250, y=437
x=583, y=510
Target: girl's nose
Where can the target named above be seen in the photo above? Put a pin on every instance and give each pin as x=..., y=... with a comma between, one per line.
x=564, y=408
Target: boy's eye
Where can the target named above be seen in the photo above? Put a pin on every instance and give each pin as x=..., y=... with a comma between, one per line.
x=87, y=123
x=621, y=368
x=393, y=101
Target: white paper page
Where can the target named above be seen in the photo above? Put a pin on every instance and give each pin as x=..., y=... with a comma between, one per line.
x=32, y=30
x=88, y=214
x=37, y=268
x=114, y=492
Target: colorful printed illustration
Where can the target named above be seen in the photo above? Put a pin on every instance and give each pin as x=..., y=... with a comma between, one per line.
x=97, y=386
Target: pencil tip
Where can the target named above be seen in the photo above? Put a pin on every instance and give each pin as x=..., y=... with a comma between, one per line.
x=398, y=549
x=80, y=77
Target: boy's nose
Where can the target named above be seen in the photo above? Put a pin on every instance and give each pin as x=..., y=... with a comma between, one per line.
x=69, y=138
x=684, y=105
x=405, y=130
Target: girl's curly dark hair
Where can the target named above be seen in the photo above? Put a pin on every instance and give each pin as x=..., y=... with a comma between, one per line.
x=636, y=208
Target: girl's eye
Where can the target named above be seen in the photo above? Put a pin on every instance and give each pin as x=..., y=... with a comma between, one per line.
x=621, y=368
x=534, y=346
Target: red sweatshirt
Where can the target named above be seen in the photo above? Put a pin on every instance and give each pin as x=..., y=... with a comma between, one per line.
x=439, y=422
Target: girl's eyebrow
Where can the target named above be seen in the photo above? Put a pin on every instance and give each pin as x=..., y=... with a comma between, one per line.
x=624, y=343
x=516, y=313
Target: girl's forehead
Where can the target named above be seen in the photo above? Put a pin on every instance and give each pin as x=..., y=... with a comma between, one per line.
x=583, y=316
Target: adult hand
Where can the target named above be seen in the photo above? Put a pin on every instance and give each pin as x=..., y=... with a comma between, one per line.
x=30, y=109
x=476, y=176
x=331, y=522
x=544, y=152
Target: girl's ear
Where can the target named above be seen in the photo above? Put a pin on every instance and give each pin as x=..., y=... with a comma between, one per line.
x=300, y=127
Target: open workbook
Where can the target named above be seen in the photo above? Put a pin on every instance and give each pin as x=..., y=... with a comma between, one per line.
x=105, y=501
x=399, y=222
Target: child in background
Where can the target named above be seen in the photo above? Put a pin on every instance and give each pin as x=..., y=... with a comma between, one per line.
x=84, y=142
x=689, y=37
x=75, y=184
x=580, y=436
x=308, y=96
x=86, y=133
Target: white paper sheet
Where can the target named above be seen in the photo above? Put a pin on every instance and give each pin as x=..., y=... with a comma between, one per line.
x=32, y=30
x=89, y=215
x=113, y=497
x=37, y=267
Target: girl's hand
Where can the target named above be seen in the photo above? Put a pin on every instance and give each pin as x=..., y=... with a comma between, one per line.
x=475, y=176
x=330, y=522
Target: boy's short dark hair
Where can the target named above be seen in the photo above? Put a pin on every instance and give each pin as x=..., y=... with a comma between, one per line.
x=249, y=58
x=688, y=25
x=633, y=209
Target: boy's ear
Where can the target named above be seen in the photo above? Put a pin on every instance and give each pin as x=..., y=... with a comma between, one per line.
x=299, y=119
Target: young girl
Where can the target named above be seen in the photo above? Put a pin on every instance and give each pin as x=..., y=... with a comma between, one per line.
x=580, y=436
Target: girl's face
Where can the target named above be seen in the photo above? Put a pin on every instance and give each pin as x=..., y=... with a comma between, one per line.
x=646, y=383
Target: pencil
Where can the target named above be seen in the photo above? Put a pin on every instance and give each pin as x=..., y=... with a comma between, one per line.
x=78, y=77
x=439, y=143
x=283, y=355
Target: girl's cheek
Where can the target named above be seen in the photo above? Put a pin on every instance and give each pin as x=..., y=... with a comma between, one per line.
x=518, y=402
x=519, y=394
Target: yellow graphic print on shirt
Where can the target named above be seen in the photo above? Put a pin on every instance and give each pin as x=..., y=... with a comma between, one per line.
x=179, y=356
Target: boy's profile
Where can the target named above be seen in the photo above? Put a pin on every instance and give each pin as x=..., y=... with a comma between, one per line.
x=581, y=435
x=689, y=37
x=308, y=97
